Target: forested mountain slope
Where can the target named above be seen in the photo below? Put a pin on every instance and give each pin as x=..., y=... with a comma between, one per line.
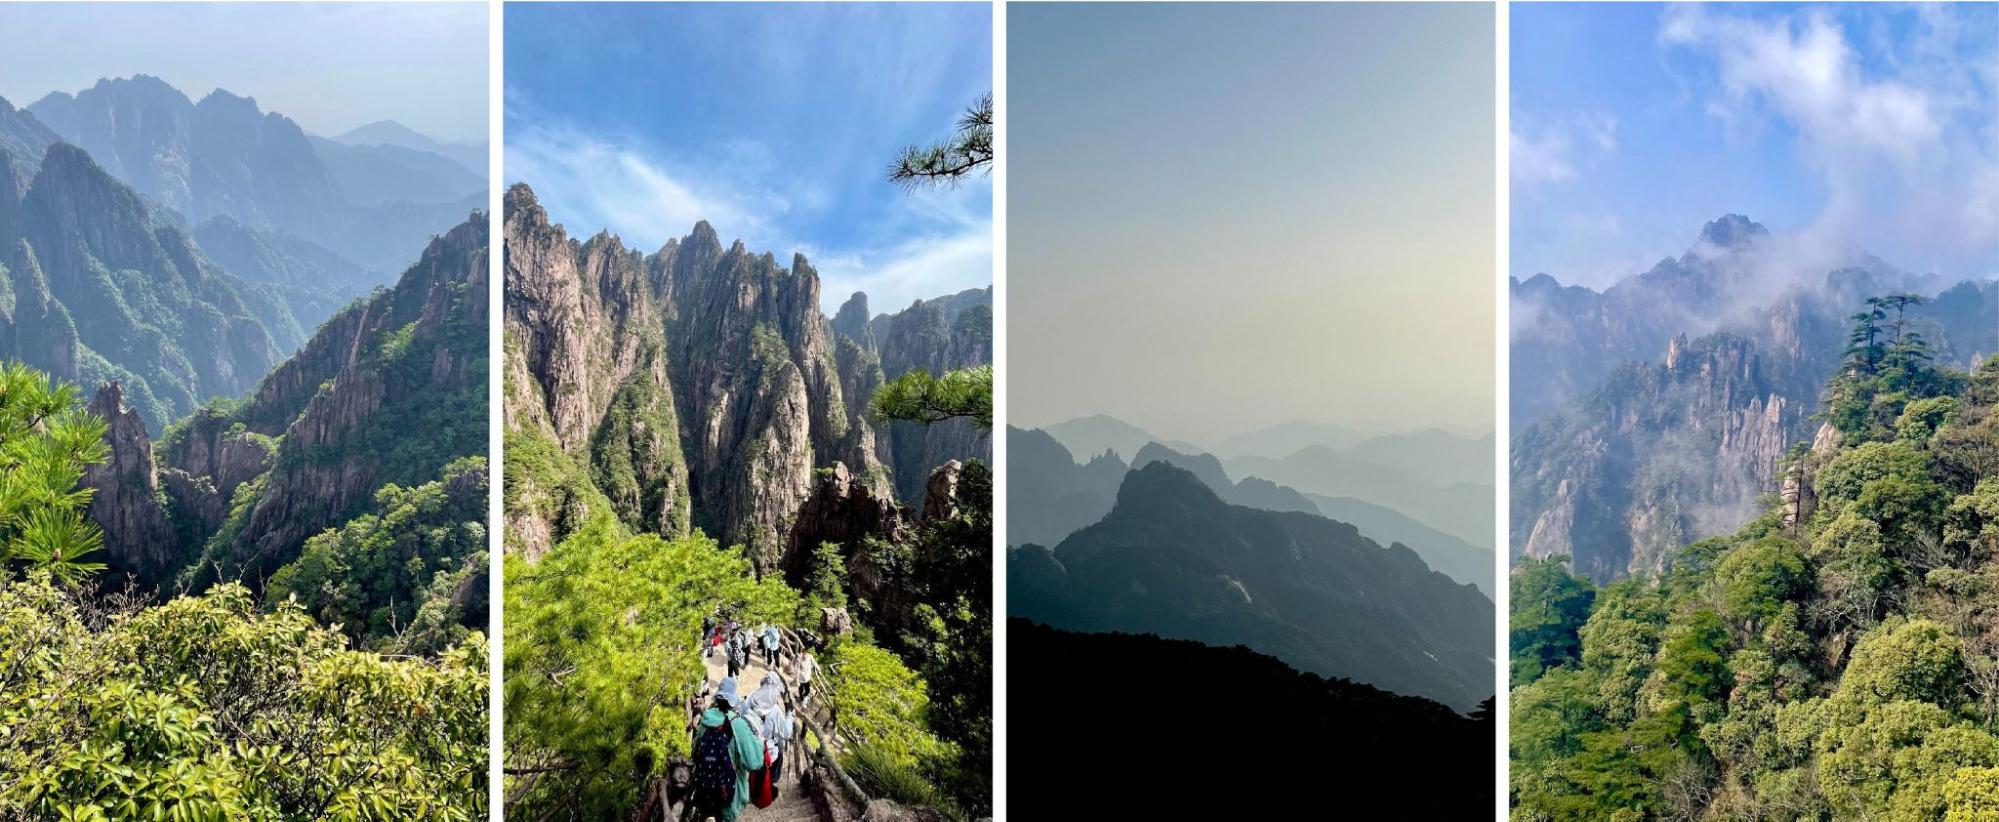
x=1832, y=659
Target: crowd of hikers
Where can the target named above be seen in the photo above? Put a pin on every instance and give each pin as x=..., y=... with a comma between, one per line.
x=740, y=741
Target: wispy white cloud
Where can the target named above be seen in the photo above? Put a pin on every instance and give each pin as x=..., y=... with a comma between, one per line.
x=1548, y=152
x=918, y=269
x=1902, y=142
x=592, y=183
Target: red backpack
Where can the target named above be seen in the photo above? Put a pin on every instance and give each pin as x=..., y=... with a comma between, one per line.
x=763, y=782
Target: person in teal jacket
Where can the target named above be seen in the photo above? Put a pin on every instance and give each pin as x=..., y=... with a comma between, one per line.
x=746, y=750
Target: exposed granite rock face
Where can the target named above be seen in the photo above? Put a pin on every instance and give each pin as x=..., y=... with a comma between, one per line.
x=125, y=504
x=697, y=386
x=211, y=445
x=937, y=335
x=587, y=370
x=852, y=320
x=840, y=511
x=1664, y=455
x=940, y=497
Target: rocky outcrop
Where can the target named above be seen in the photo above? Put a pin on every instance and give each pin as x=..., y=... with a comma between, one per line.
x=124, y=498
x=587, y=370
x=940, y=496
x=843, y=512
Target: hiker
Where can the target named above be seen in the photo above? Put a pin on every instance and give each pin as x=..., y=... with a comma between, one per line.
x=707, y=636
x=765, y=709
x=726, y=749
x=771, y=642
x=802, y=673
x=738, y=653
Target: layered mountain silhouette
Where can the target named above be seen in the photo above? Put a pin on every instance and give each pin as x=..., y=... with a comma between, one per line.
x=1098, y=433
x=1462, y=509
x=1052, y=496
x=1172, y=558
x=1656, y=412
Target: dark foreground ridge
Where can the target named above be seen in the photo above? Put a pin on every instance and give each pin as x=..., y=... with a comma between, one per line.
x=1191, y=731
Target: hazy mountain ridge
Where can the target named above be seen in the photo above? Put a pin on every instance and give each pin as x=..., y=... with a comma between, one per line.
x=106, y=288
x=1657, y=451
x=223, y=155
x=1173, y=559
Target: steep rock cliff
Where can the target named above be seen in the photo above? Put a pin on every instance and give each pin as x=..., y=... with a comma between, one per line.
x=696, y=386
x=390, y=391
x=125, y=494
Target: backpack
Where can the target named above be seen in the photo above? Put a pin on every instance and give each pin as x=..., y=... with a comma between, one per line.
x=714, y=770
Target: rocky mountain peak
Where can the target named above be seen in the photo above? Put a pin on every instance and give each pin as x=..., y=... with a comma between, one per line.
x=852, y=319
x=1733, y=231
x=1150, y=485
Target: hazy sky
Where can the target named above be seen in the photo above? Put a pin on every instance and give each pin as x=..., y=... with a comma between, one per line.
x=1864, y=124
x=331, y=67
x=775, y=122
x=1225, y=216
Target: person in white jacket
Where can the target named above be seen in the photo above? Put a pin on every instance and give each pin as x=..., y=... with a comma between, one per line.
x=765, y=710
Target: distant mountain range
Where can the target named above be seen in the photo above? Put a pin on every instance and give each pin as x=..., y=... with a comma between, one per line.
x=1657, y=411
x=374, y=203
x=1098, y=433
x=183, y=248
x=472, y=156
x=1174, y=559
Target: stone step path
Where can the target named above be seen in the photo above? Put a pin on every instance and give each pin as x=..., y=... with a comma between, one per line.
x=794, y=803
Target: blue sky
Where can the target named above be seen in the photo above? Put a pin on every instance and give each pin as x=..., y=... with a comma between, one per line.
x=774, y=122
x=331, y=67
x=1862, y=126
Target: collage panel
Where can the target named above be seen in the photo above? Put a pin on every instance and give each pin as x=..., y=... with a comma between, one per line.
x=748, y=497
x=1250, y=399
x=243, y=391
x=1754, y=456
